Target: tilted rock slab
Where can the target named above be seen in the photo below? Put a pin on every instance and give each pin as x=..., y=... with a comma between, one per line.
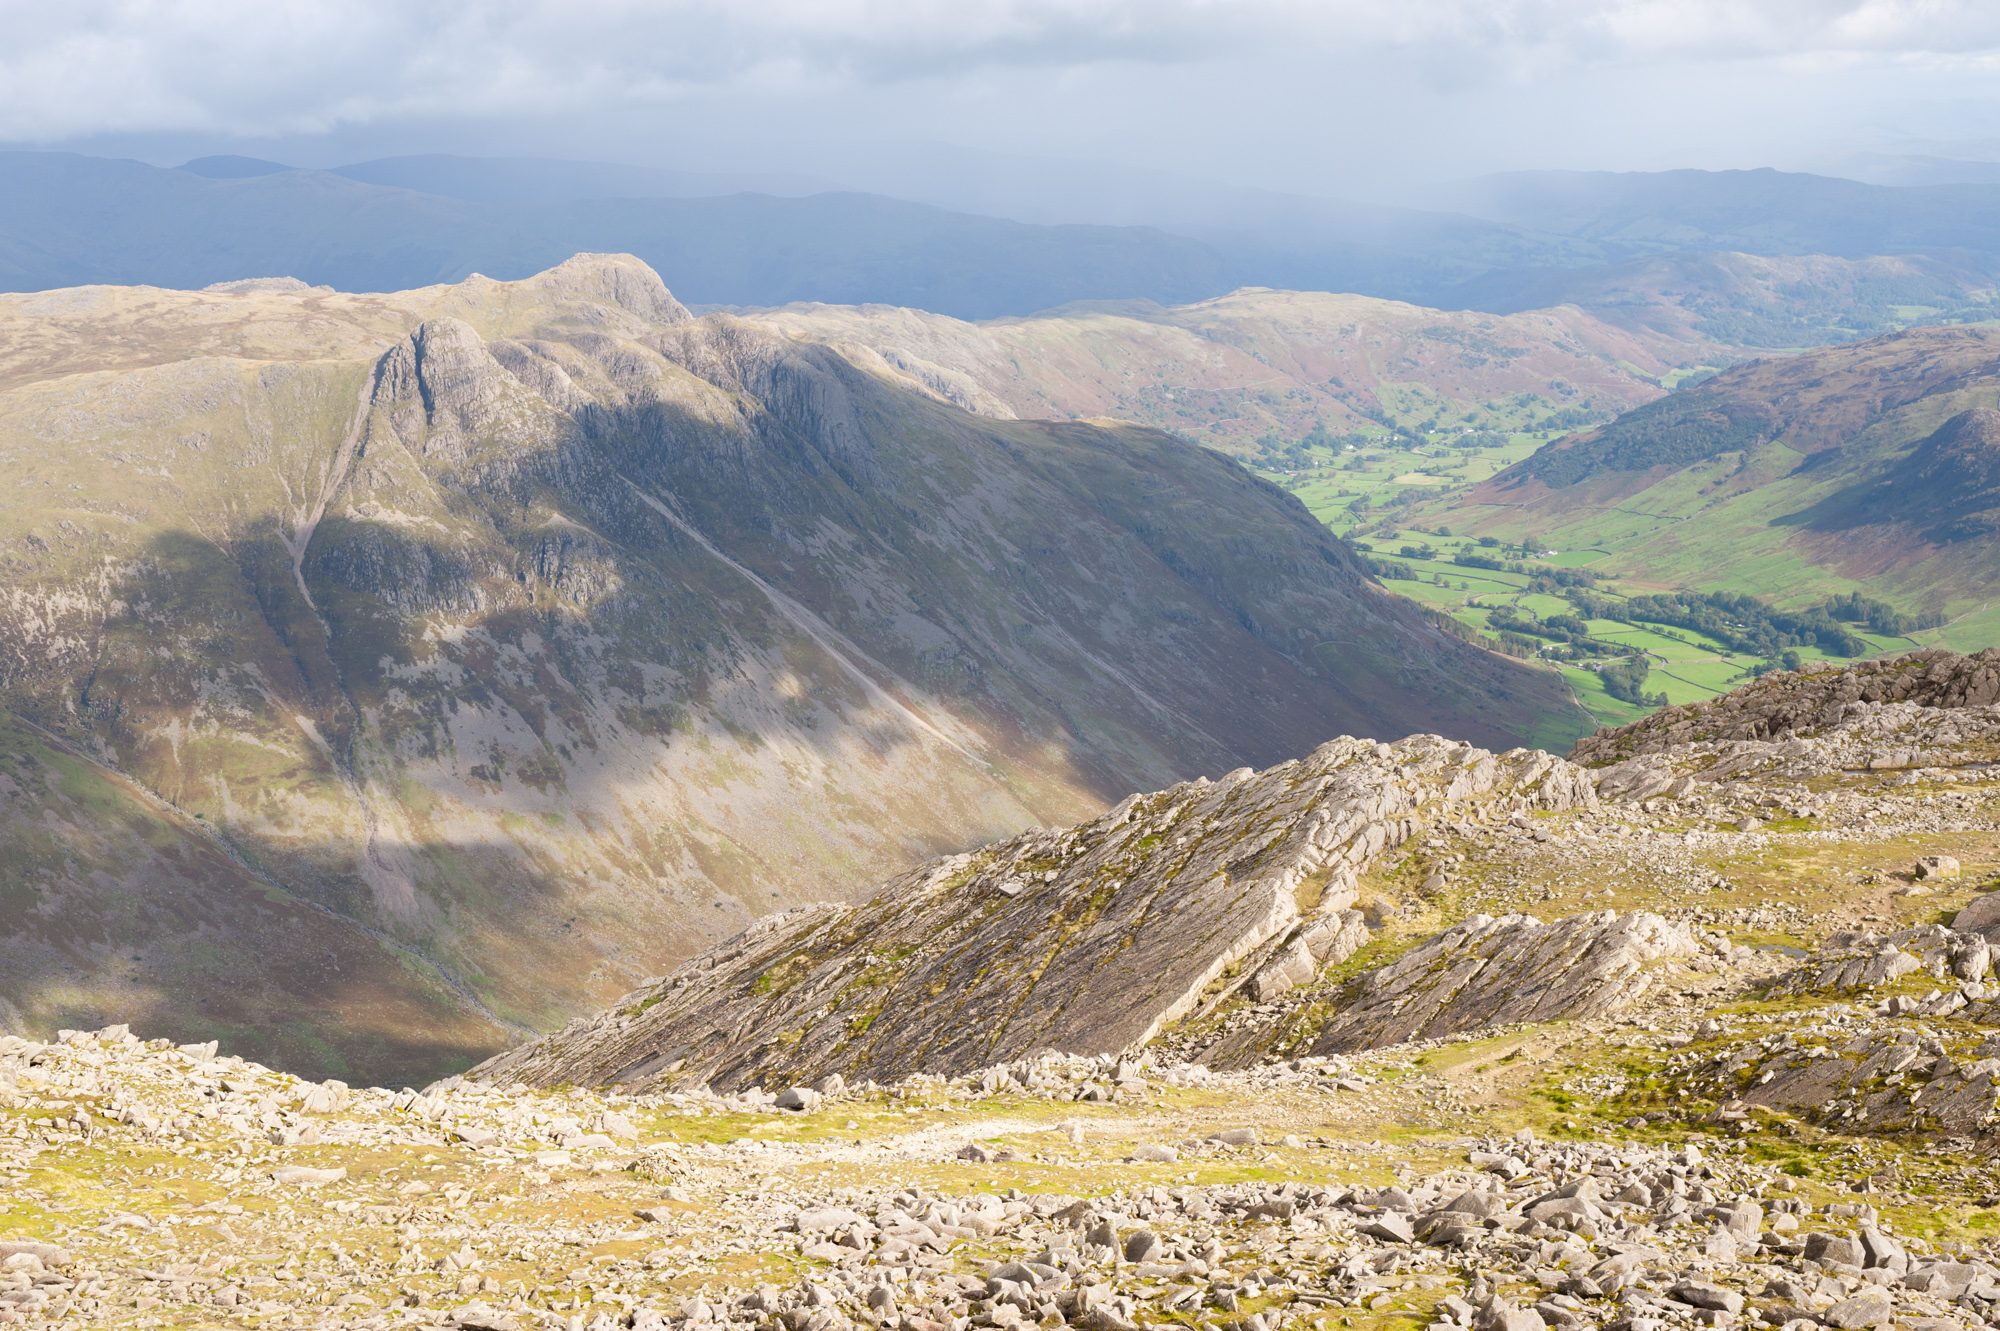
x=1806, y=702
x=1087, y=941
x=1877, y=1078
x=1492, y=971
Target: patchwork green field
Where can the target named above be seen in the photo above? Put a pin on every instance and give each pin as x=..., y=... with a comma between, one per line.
x=1391, y=493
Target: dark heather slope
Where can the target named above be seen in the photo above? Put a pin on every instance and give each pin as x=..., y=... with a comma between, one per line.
x=541, y=634
x=1815, y=403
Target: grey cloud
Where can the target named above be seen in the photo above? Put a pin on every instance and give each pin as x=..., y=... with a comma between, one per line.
x=253, y=66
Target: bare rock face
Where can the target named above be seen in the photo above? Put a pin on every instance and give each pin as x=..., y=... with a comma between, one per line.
x=1806, y=703
x=1497, y=972
x=1086, y=941
x=1864, y=961
x=1873, y=1077
x=1981, y=916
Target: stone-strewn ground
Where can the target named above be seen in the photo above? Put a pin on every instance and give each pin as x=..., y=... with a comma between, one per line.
x=1709, y=1036
x=154, y=1186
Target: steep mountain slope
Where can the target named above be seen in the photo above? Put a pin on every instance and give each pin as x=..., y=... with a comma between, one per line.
x=1947, y=488
x=1362, y=897
x=113, y=899
x=66, y=220
x=548, y=633
x=1255, y=362
x=1849, y=467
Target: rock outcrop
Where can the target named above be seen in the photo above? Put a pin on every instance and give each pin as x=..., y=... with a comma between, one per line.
x=1092, y=940
x=1234, y=921
x=1865, y=1077
x=1496, y=972
x=1806, y=703
x=1981, y=916
x=1848, y=961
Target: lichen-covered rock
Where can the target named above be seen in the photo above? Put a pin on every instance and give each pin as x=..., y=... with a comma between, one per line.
x=1091, y=940
x=1980, y=916
x=1496, y=972
x=1807, y=702
x=1876, y=1078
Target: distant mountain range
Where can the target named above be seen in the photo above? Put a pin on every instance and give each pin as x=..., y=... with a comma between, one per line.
x=525, y=179
x=1260, y=365
x=67, y=220
x=1507, y=244
x=1624, y=213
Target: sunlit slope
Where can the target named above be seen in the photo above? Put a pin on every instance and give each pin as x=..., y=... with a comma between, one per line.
x=543, y=633
x=1260, y=364
x=1868, y=467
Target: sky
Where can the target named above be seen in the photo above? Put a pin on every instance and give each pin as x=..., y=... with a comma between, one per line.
x=1345, y=98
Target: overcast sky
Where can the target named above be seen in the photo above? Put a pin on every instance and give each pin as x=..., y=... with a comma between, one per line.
x=1312, y=96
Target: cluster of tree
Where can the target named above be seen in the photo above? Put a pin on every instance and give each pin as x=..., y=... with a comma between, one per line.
x=1557, y=581
x=1625, y=680
x=1520, y=644
x=1508, y=619
x=1678, y=430
x=1470, y=559
x=1739, y=622
x=1390, y=570
x=1789, y=659
x=1274, y=453
x=1880, y=616
x=1569, y=634
x=1571, y=418
x=1504, y=561
x=1473, y=440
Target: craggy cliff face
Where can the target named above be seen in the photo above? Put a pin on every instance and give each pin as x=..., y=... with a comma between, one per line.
x=388, y=676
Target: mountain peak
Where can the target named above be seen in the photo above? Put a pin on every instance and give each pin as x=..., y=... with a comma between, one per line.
x=623, y=280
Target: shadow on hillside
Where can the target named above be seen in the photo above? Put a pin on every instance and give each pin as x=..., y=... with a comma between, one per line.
x=575, y=717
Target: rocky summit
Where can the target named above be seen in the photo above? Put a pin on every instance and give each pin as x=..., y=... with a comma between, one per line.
x=1230, y=919
x=1699, y=1027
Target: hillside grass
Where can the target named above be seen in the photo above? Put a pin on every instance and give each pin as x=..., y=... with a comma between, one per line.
x=1709, y=528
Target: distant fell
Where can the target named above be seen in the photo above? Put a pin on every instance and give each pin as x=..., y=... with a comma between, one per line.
x=68, y=220
x=230, y=166
x=1757, y=212
x=1864, y=468
x=548, y=179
